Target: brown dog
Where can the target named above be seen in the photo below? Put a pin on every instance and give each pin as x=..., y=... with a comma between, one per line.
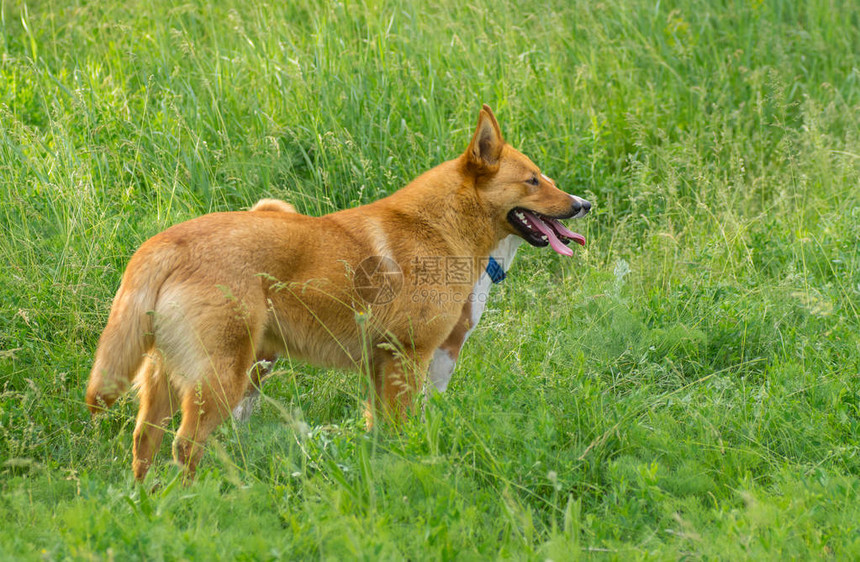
x=378, y=288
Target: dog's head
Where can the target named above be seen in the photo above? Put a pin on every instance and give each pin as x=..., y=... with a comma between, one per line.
x=522, y=200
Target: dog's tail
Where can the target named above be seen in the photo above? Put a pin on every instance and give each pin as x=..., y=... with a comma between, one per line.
x=128, y=335
x=273, y=205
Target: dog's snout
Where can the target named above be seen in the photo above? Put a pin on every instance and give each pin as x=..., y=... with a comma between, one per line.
x=579, y=206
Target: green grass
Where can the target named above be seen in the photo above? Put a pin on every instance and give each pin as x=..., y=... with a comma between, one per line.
x=685, y=387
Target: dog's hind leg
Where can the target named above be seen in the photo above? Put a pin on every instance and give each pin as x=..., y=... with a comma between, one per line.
x=208, y=401
x=158, y=403
x=259, y=374
x=208, y=337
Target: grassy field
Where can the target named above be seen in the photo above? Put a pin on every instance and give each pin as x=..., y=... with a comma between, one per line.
x=684, y=387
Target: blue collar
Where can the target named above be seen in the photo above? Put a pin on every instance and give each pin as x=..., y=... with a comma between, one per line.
x=495, y=270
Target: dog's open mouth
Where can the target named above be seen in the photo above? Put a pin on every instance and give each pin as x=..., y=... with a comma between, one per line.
x=540, y=230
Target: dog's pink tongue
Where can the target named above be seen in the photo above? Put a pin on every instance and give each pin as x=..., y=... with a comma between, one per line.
x=564, y=231
x=550, y=235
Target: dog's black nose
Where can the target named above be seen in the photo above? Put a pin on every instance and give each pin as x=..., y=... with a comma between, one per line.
x=575, y=205
x=586, y=205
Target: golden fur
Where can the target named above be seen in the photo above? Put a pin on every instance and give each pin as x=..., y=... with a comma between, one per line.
x=202, y=302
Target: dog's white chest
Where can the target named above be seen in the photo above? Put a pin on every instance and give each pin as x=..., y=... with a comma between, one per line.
x=443, y=362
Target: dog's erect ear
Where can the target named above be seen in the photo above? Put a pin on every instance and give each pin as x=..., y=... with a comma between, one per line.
x=486, y=147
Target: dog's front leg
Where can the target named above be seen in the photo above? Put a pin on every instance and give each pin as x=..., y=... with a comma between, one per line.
x=398, y=377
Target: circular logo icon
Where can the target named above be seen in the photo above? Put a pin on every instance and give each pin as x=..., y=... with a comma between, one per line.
x=378, y=280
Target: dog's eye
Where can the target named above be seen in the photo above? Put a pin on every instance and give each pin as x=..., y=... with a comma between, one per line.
x=533, y=180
